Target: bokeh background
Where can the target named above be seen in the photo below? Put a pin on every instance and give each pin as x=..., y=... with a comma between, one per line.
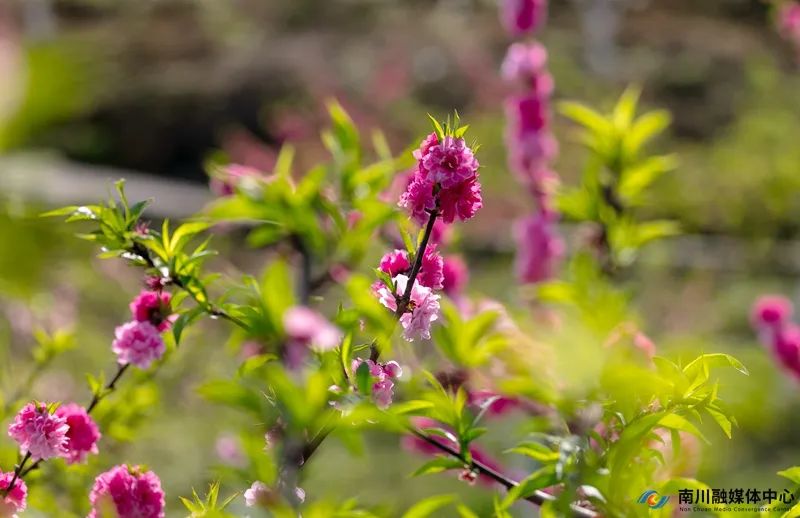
x=94, y=90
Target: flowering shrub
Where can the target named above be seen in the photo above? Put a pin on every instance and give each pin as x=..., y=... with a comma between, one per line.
x=363, y=319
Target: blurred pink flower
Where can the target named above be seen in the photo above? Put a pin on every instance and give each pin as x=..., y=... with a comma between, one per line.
x=129, y=491
x=138, y=343
x=382, y=375
x=539, y=248
x=82, y=435
x=228, y=450
x=455, y=275
x=225, y=182
x=40, y=433
x=525, y=63
x=523, y=16
x=786, y=347
x=418, y=198
x=771, y=311
x=306, y=327
x=16, y=499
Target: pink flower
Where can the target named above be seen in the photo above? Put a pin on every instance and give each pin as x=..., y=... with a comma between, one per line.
x=455, y=275
x=382, y=393
x=382, y=375
x=259, y=494
x=523, y=16
x=153, y=307
x=441, y=232
x=448, y=163
x=306, y=327
x=229, y=451
x=423, y=308
x=138, y=343
x=539, y=248
x=462, y=201
x=418, y=198
x=786, y=347
x=16, y=499
x=771, y=311
x=525, y=63
x=40, y=433
x=431, y=141
x=431, y=274
x=495, y=404
x=789, y=21
x=527, y=113
x=225, y=183
x=82, y=435
x=395, y=262
x=129, y=492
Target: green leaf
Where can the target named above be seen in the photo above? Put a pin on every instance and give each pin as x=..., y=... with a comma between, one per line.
x=707, y=361
x=585, y=116
x=676, y=422
x=438, y=465
x=363, y=379
x=792, y=474
x=428, y=506
x=536, y=451
x=539, y=479
x=437, y=127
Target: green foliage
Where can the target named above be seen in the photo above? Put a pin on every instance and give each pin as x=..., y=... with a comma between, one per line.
x=208, y=507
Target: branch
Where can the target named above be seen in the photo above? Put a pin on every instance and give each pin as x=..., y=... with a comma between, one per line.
x=537, y=498
x=402, y=303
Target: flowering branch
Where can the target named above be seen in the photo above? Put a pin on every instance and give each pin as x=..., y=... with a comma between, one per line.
x=402, y=303
x=537, y=498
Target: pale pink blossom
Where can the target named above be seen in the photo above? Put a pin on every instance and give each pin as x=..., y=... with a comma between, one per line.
x=306, y=327
x=138, y=343
x=39, y=432
x=129, y=492
x=423, y=309
x=258, y=495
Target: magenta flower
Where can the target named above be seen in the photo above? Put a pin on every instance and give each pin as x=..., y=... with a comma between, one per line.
x=455, y=276
x=462, y=201
x=418, y=198
x=16, y=499
x=306, y=327
x=771, y=311
x=138, y=343
x=786, y=347
x=153, y=307
x=539, y=248
x=448, y=163
x=82, y=435
x=395, y=262
x=523, y=16
x=431, y=273
x=789, y=21
x=129, y=492
x=40, y=433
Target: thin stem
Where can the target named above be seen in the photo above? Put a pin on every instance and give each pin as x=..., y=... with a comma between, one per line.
x=537, y=498
x=304, y=274
x=17, y=474
x=402, y=303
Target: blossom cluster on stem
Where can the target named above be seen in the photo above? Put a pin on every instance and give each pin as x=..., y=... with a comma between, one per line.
x=530, y=142
x=139, y=341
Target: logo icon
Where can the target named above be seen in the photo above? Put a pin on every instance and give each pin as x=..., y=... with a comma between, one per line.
x=652, y=499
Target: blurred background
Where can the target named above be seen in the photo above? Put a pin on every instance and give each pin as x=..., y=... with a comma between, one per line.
x=94, y=90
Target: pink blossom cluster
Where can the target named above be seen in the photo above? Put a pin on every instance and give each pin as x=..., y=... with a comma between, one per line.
x=67, y=432
x=445, y=179
x=381, y=375
x=771, y=317
x=532, y=148
x=16, y=500
x=789, y=24
x=139, y=341
x=127, y=492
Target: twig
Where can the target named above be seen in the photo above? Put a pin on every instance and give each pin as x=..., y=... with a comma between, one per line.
x=402, y=302
x=17, y=474
x=537, y=498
